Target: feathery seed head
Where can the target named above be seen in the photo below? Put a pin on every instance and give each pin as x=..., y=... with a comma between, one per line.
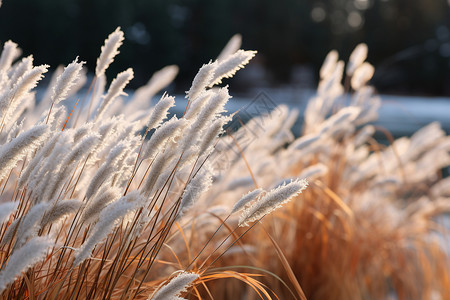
x=246, y=199
x=66, y=81
x=160, y=111
x=227, y=67
x=115, y=90
x=9, y=53
x=357, y=57
x=177, y=285
x=271, y=201
x=24, y=258
x=202, y=80
x=329, y=64
x=108, y=51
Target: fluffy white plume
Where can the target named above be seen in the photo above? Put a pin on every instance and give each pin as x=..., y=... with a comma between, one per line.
x=115, y=90
x=177, y=285
x=66, y=81
x=107, y=220
x=18, y=148
x=108, y=51
x=22, y=259
x=6, y=209
x=228, y=66
x=271, y=201
x=357, y=57
x=9, y=53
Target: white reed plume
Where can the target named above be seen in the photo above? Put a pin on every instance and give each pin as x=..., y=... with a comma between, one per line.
x=28, y=226
x=227, y=67
x=15, y=130
x=329, y=65
x=212, y=133
x=362, y=75
x=196, y=106
x=175, y=287
x=115, y=90
x=60, y=210
x=202, y=80
x=108, y=218
x=246, y=199
x=66, y=81
x=159, y=164
x=83, y=149
x=211, y=110
x=25, y=65
x=199, y=184
x=108, y=168
x=28, y=81
x=41, y=154
x=357, y=57
x=343, y=116
x=166, y=132
x=6, y=209
x=10, y=232
x=25, y=83
x=22, y=259
x=331, y=86
x=57, y=117
x=9, y=53
x=231, y=47
x=100, y=200
x=271, y=201
x=160, y=111
x=108, y=51
x=18, y=148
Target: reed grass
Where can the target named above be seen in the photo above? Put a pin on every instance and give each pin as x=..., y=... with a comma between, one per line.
x=91, y=208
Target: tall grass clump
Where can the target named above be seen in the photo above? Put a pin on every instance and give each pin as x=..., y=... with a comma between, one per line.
x=104, y=197
x=372, y=223
x=92, y=207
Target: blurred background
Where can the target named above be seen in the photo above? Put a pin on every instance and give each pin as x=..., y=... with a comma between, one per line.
x=408, y=40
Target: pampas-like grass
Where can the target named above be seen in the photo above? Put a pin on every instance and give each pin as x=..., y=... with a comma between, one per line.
x=22, y=259
x=66, y=81
x=160, y=111
x=6, y=209
x=115, y=90
x=357, y=57
x=107, y=219
x=227, y=67
x=18, y=148
x=246, y=199
x=149, y=207
x=271, y=201
x=9, y=53
x=60, y=210
x=25, y=65
x=195, y=188
x=202, y=80
x=108, y=51
x=165, y=133
x=177, y=285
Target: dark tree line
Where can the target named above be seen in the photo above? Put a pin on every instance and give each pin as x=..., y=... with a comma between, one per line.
x=408, y=40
